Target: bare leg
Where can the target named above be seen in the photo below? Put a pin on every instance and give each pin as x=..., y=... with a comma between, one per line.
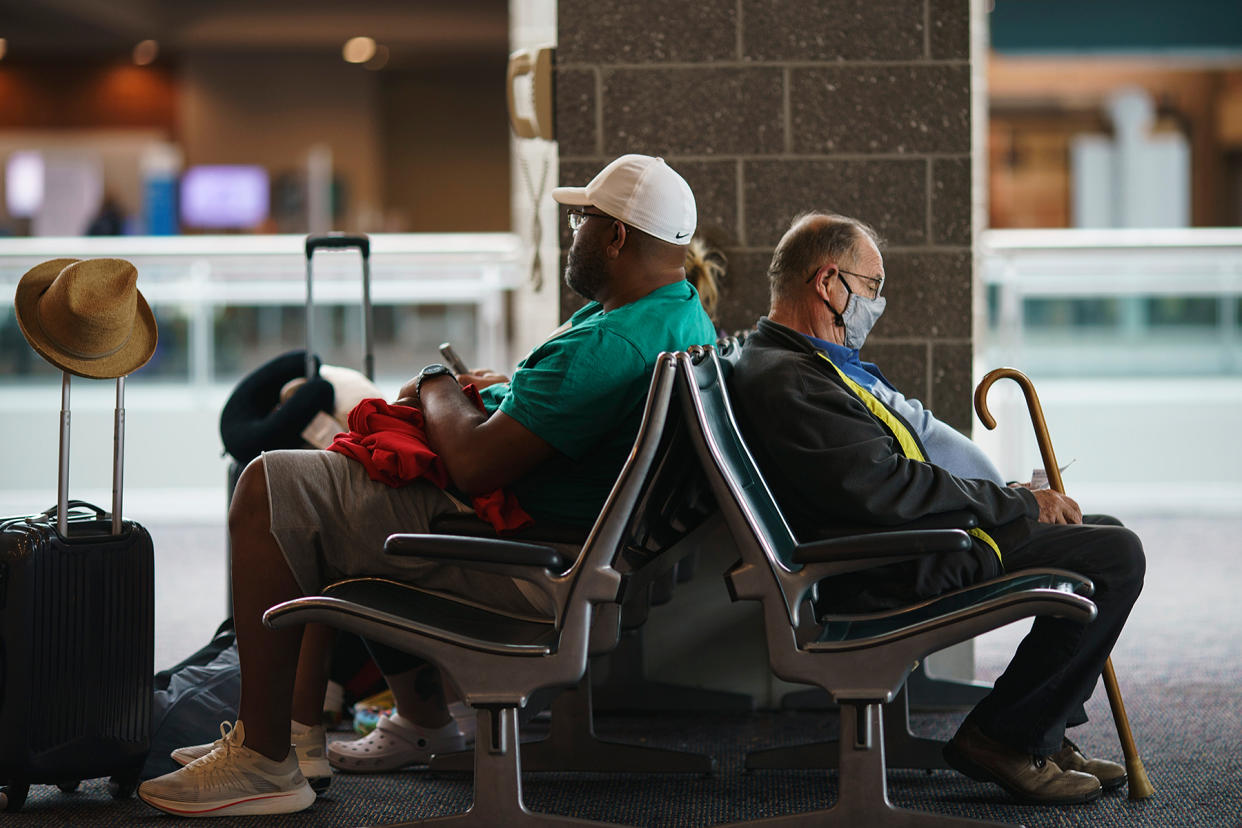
x=312, y=676
x=420, y=696
x=261, y=578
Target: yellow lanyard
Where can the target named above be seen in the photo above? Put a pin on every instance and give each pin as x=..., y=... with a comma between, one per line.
x=909, y=445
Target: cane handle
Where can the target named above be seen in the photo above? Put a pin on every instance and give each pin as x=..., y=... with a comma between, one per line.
x=1037, y=418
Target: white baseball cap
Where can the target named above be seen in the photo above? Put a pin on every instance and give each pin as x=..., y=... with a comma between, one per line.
x=642, y=191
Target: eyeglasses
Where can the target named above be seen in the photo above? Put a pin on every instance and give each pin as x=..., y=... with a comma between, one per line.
x=577, y=218
x=876, y=285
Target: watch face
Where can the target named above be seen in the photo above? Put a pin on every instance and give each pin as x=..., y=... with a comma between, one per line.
x=433, y=370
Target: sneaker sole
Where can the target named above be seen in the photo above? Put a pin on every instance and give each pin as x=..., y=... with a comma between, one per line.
x=376, y=765
x=959, y=762
x=318, y=775
x=289, y=802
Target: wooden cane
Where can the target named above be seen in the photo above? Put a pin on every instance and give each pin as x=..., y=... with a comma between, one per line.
x=1136, y=775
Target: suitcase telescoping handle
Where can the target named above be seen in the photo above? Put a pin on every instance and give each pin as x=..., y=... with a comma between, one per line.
x=118, y=458
x=342, y=241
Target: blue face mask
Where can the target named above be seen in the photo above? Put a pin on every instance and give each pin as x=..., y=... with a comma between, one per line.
x=859, y=317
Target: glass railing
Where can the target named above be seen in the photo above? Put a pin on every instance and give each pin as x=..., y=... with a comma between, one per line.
x=225, y=304
x=1133, y=340
x=1114, y=303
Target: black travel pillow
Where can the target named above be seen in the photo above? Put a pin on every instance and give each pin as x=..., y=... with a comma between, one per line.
x=254, y=420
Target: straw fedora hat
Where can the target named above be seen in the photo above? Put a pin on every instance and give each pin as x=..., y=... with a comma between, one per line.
x=86, y=316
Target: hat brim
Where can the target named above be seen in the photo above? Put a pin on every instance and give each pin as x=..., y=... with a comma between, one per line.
x=572, y=196
x=134, y=354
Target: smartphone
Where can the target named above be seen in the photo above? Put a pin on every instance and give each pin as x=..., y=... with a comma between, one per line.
x=451, y=359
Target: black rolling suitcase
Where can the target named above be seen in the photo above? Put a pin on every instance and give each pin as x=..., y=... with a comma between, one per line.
x=77, y=625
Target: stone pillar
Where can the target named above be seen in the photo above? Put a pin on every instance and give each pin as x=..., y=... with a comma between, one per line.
x=772, y=107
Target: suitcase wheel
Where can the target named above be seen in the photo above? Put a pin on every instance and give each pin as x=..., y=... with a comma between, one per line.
x=13, y=796
x=69, y=787
x=123, y=785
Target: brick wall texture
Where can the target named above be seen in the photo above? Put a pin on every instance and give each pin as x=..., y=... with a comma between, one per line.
x=769, y=108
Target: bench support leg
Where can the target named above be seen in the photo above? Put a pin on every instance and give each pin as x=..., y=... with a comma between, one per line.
x=498, y=781
x=926, y=693
x=862, y=797
x=902, y=748
x=573, y=746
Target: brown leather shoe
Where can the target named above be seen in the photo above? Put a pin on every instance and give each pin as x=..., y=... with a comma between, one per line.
x=1069, y=757
x=1027, y=778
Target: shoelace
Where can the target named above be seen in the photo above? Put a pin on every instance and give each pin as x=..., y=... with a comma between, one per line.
x=222, y=748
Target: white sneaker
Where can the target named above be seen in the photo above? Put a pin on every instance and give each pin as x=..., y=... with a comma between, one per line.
x=393, y=744
x=231, y=780
x=309, y=743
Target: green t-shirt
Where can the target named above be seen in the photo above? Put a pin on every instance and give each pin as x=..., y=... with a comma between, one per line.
x=583, y=392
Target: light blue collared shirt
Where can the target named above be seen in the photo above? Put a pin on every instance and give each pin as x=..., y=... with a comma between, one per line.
x=946, y=447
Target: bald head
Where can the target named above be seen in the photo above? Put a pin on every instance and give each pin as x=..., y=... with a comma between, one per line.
x=812, y=239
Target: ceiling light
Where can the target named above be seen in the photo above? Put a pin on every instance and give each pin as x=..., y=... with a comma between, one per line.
x=358, y=50
x=145, y=52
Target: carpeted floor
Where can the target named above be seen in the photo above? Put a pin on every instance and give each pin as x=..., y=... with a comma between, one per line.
x=1177, y=665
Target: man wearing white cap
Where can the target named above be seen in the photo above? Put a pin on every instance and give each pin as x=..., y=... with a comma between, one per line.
x=556, y=435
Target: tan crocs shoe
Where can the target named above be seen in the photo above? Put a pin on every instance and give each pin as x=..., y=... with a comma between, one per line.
x=1070, y=757
x=1027, y=778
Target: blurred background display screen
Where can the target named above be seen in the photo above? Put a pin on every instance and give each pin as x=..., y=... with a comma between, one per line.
x=224, y=196
x=23, y=183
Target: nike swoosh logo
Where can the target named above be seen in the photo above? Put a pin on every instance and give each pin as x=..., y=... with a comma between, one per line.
x=681, y=235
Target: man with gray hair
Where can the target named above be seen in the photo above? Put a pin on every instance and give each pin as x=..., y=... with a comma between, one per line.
x=839, y=444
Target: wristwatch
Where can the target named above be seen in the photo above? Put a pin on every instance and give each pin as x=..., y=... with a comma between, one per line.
x=435, y=369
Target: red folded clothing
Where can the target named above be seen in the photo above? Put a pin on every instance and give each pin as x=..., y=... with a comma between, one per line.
x=391, y=443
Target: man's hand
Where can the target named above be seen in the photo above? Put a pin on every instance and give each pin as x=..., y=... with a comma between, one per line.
x=481, y=452
x=1055, y=507
x=481, y=377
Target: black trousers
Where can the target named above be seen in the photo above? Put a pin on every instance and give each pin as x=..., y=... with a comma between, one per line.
x=1057, y=665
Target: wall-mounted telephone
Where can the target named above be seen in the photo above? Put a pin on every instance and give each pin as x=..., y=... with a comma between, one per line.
x=532, y=68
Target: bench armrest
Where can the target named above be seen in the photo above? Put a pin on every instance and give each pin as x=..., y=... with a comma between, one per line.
x=534, y=563
x=960, y=519
x=455, y=548
x=879, y=548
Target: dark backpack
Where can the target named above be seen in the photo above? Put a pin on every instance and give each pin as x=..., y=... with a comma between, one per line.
x=192, y=698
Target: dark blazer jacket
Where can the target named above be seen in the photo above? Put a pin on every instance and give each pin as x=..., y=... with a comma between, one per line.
x=834, y=467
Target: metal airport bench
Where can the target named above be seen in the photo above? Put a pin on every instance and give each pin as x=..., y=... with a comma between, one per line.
x=862, y=661
x=674, y=518
x=498, y=661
